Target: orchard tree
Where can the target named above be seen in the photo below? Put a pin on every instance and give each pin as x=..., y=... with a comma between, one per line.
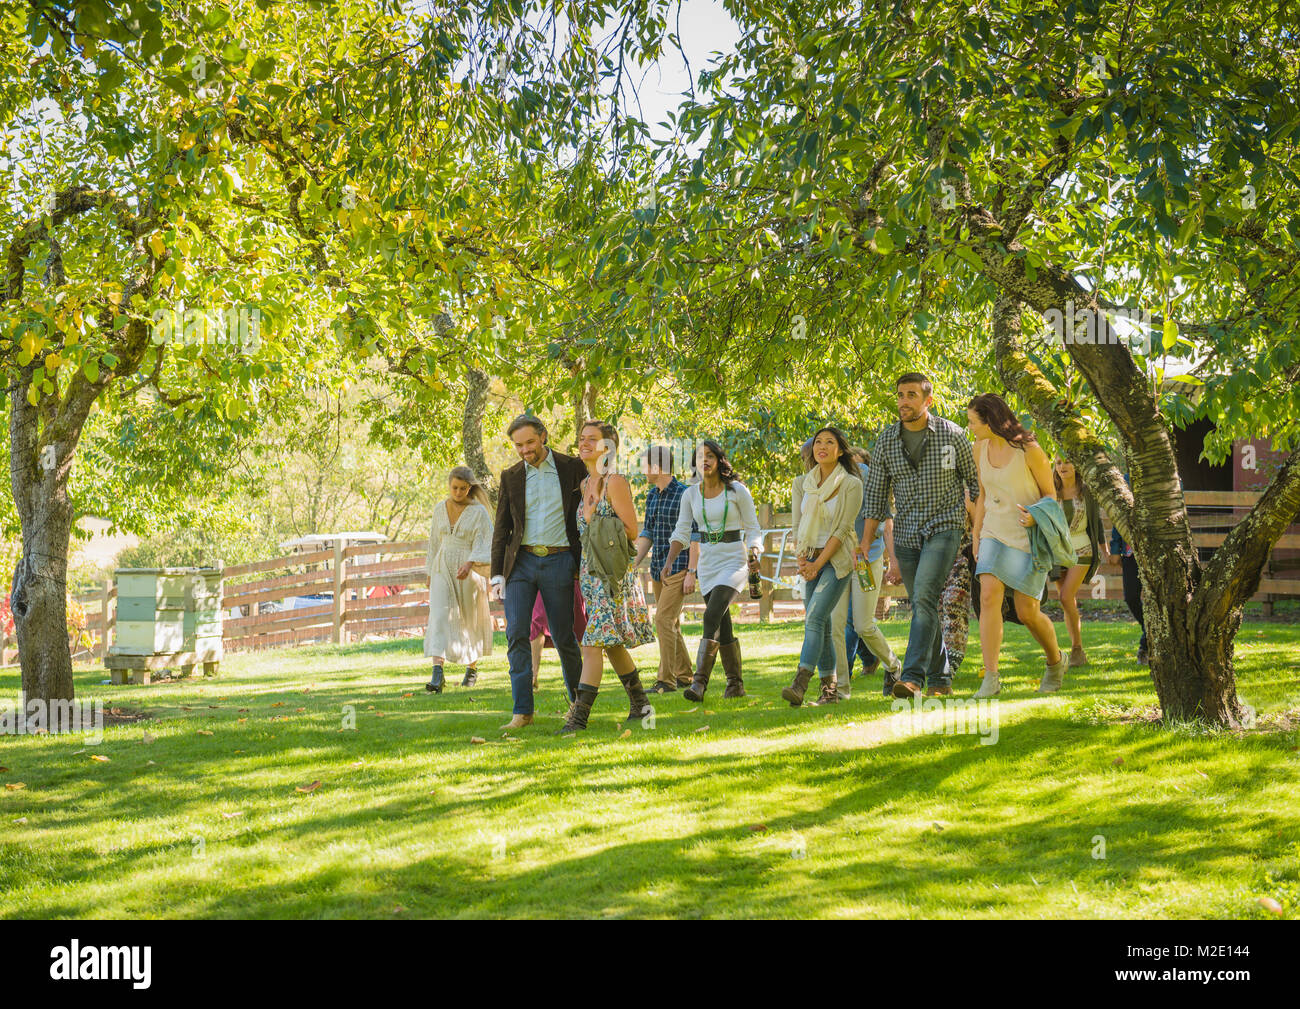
x=209, y=202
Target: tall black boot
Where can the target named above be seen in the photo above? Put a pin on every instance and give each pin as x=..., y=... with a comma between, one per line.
x=638, y=703
x=708, y=654
x=434, y=686
x=730, y=655
x=579, y=710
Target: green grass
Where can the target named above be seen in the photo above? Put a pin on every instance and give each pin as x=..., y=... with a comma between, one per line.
x=770, y=811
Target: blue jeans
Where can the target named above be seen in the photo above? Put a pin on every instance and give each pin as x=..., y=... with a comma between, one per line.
x=553, y=576
x=819, y=597
x=924, y=573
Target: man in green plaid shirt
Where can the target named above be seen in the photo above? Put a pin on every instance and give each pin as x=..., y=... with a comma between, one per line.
x=926, y=462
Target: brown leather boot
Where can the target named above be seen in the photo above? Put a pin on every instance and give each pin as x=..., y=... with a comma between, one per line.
x=730, y=655
x=795, y=691
x=579, y=710
x=830, y=694
x=707, y=655
x=639, y=704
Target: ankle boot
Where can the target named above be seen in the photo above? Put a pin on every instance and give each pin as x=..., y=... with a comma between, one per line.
x=434, y=686
x=471, y=677
x=639, y=704
x=704, y=659
x=794, y=693
x=1054, y=675
x=730, y=655
x=829, y=694
x=579, y=710
x=991, y=685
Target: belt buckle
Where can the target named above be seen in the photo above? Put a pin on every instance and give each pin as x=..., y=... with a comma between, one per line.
x=541, y=551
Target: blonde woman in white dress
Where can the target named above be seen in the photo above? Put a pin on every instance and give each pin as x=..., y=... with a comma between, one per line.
x=460, y=553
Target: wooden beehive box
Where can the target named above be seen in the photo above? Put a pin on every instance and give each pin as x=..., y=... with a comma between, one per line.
x=161, y=611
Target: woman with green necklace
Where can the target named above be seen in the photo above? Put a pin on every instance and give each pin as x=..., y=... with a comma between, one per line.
x=721, y=508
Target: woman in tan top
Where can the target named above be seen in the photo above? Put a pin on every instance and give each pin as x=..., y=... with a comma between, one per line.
x=1014, y=473
x=825, y=501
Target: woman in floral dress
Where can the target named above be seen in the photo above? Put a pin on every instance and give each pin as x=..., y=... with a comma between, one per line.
x=619, y=619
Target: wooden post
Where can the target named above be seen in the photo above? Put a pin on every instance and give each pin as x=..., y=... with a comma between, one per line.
x=765, y=566
x=337, y=633
x=106, y=622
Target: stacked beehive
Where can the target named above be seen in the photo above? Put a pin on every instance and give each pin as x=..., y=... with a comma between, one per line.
x=166, y=618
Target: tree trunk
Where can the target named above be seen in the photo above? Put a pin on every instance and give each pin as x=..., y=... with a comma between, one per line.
x=1191, y=648
x=471, y=431
x=39, y=595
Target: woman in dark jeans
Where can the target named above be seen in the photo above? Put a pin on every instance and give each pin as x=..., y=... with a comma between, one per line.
x=1132, y=588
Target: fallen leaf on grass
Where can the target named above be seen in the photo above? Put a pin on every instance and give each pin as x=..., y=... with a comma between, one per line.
x=708, y=712
x=186, y=707
x=241, y=719
x=626, y=733
x=278, y=704
x=1202, y=774
x=357, y=764
x=1117, y=761
x=307, y=788
x=231, y=816
x=758, y=828
x=379, y=714
x=15, y=785
x=75, y=752
x=3, y=769
x=702, y=728
x=148, y=762
x=477, y=739
x=242, y=709
x=99, y=757
x=204, y=732
x=690, y=711
x=408, y=695
x=1270, y=905
x=21, y=819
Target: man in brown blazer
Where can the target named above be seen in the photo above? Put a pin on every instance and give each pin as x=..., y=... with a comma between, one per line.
x=535, y=548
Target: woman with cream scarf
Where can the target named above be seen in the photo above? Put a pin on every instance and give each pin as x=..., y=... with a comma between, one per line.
x=824, y=503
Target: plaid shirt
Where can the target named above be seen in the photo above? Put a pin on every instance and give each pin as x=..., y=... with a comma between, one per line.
x=661, y=510
x=928, y=496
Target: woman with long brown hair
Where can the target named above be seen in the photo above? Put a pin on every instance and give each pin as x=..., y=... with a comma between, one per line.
x=1014, y=474
x=459, y=553
x=617, y=616
x=722, y=509
x=825, y=502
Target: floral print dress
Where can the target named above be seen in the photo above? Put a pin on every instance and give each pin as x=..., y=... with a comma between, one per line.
x=618, y=619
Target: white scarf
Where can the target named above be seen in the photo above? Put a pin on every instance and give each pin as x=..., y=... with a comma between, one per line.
x=815, y=508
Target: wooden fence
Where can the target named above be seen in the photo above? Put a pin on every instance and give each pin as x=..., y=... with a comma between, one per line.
x=381, y=590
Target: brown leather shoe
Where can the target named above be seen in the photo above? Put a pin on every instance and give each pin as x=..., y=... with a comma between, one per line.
x=906, y=689
x=518, y=722
x=939, y=692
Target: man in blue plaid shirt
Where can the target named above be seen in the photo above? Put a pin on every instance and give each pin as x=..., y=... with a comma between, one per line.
x=926, y=462
x=662, y=507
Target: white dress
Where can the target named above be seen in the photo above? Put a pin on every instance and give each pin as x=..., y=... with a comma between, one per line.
x=720, y=563
x=460, y=626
